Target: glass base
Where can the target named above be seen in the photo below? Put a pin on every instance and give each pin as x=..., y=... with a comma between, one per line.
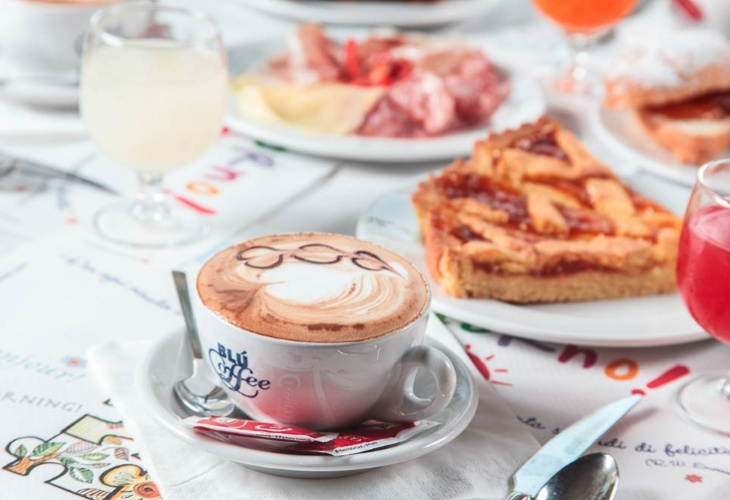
x=165, y=226
x=705, y=401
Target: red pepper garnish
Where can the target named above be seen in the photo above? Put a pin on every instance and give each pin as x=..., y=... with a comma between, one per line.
x=380, y=73
x=351, y=62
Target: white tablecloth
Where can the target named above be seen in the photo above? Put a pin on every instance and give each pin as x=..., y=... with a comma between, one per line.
x=62, y=291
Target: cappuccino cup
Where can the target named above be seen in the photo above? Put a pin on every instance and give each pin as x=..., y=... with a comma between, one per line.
x=45, y=36
x=321, y=331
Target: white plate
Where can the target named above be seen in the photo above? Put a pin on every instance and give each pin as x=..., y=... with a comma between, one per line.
x=40, y=93
x=635, y=322
x=374, y=13
x=154, y=386
x=43, y=96
x=620, y=130
x=525, y=103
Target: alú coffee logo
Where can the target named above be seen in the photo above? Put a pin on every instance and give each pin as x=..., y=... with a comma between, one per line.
x=234, y=372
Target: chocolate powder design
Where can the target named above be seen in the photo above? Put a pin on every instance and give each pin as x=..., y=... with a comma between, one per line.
x=372, y=297
x=308, y=253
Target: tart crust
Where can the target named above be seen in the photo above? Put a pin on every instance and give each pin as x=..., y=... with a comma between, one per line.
x=534, y=217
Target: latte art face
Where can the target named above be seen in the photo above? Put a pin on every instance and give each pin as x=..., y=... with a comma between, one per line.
x=313, y=287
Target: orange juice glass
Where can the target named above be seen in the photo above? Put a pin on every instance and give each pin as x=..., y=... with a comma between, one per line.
x=585, y=16
x=582, y=21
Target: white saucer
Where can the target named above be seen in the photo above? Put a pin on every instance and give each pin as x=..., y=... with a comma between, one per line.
x=634, y=322
x=620, y=131
x=154, y=387
x=41, y=94
x=374, y=13
x=525, y=103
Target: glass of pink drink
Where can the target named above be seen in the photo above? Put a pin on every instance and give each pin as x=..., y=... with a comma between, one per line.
x=703, y=275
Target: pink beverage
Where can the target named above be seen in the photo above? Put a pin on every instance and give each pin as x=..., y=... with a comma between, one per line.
x=703, y=268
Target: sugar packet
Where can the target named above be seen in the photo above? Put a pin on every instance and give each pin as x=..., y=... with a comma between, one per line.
x=367, y=436
x=254, y=429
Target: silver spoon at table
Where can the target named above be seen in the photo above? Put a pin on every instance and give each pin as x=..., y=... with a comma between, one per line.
x=194, y=391
x=591, y=477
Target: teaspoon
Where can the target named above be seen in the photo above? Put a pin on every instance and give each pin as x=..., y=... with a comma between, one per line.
x=591, y=477
x=195, y=393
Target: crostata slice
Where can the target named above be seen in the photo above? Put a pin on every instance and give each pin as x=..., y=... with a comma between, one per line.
x=534, y=217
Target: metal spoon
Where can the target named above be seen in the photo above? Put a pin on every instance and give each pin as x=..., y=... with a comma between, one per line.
x=195, y=392
x=591, y=477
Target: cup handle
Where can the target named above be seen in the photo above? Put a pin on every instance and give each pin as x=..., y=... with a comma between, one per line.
x=400, y=403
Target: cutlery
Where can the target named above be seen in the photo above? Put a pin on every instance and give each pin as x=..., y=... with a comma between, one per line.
x=566, y=447
x=8, y=165
x=591, y=477
x=194, y=391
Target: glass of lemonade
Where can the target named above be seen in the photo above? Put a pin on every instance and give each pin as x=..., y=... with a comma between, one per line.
x=154, y=87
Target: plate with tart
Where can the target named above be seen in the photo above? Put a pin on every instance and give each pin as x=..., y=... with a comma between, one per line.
x=667, y=104
x=534, y=237
x=386, y=98
x=375, y=13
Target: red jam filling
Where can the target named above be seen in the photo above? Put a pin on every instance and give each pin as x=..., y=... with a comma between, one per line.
x=715, y=106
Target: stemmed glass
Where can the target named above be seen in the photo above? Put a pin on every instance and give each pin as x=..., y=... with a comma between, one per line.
x=703, y=275
x=154, y=83
x=583, y=21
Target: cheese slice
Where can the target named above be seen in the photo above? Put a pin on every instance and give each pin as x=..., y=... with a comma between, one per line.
x=325, y=108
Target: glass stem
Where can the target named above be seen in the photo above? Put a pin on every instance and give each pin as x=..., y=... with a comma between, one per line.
x=580, y=45
x=150, y=203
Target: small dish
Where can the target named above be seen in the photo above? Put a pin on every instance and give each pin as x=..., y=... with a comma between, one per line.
x=40, y=93
x=154, y=386
x=620, y=130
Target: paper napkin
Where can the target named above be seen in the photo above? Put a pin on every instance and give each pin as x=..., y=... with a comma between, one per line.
x=477, y=464
x=659, y=454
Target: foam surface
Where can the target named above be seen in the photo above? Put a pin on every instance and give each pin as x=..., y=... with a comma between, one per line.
x=313, y=287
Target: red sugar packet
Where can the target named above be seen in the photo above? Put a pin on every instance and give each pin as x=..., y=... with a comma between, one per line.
x=369, y=436
x=254, y=429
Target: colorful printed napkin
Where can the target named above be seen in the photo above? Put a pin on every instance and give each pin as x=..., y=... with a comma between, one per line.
x=477, y=464
x=659, y=454
x=238, y=182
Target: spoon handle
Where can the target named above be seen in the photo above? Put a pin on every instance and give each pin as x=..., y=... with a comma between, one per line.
x=191, y=328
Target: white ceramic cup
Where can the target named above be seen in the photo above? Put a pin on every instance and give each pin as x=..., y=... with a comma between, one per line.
x=44, y=38
x=326, y=386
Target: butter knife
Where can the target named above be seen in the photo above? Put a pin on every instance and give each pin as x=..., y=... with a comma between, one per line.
x=9, y=165
x=566, y=447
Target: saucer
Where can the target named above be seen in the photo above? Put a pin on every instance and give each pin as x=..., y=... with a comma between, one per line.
x=41, y=95
x=621, y=131
x=154, y=387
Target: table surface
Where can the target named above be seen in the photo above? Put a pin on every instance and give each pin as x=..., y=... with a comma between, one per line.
x=334, y=203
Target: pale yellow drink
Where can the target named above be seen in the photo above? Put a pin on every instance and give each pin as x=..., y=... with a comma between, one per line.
x=153, y=105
